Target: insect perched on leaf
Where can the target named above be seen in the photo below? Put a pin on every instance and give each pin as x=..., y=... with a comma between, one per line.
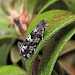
x=29, y=45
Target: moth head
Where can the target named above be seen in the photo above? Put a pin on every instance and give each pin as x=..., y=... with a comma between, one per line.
x=43, y=22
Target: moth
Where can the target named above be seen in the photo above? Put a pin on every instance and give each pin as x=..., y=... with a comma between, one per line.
x=29, y=45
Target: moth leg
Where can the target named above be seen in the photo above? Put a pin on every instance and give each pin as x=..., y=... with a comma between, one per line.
x=47, y=30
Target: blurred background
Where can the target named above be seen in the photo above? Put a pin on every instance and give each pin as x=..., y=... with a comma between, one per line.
x=15, y=18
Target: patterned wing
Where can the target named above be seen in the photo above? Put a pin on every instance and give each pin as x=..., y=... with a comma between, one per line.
x=28, y=47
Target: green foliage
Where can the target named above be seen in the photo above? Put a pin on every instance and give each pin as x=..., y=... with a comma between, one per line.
x=57, y=22
x=11, y=70
x=47, y=5
x=4, y=22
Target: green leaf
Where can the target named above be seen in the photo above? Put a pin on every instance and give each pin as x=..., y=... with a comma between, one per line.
x=57, y=20
x=5, y=46
x=70, y=46
x=71, y=7
x=6, y=41
x=11, y=70
x=50, y=2
x=11, y=35
x=18, y=5
x=5, y=4
x=47, y=65
x=4, y=50
x=30, y=5
x=4, y=22
x=1, y=12
x=70, y=4
x=14, y=54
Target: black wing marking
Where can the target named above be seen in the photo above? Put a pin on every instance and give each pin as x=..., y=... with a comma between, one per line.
x=28, y=47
